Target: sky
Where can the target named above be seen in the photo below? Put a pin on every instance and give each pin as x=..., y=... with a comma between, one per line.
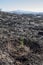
x=26, y=5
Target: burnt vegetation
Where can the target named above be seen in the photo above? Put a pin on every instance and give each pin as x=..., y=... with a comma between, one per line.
x=21, y=39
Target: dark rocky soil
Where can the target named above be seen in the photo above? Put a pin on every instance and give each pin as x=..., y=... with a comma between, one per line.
x=21, y=39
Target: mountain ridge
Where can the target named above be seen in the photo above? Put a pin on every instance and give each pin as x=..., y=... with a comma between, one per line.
x=25, y=12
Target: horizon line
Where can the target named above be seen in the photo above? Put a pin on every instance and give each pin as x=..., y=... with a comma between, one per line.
x=19, y=10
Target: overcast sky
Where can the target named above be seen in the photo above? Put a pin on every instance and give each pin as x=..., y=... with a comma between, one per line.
x=28, y=5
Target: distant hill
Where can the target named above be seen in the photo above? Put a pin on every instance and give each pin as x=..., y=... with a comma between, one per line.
x=23, y=12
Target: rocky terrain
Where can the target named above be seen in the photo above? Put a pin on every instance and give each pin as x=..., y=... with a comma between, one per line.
x=21, y=39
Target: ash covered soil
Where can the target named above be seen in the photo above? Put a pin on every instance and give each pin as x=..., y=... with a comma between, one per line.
x=21, y=39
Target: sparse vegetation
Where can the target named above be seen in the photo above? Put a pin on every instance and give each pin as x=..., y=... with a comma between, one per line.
x=20, y=42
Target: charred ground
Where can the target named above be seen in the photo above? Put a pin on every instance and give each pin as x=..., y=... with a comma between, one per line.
x=21, y=39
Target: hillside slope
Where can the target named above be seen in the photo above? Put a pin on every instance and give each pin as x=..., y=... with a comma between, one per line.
x=21, y=39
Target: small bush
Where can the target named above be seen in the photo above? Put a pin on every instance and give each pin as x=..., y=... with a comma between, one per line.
x=21, y=41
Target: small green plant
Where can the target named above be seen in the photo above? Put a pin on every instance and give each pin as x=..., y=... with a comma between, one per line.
x=21, y=41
